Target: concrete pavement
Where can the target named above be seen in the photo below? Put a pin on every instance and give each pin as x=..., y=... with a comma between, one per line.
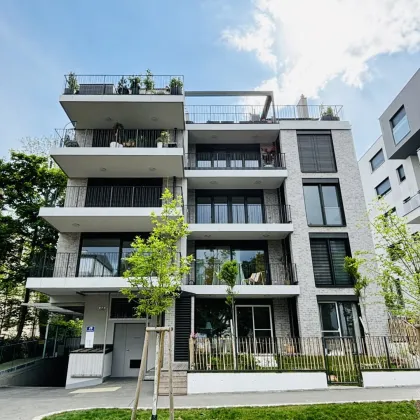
x=22, y=403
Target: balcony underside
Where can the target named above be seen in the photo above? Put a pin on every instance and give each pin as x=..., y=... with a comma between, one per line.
x=146, y=111
x=414, y=216
x=60, y=286
x=232, y=133
x=99, y=219
x=124, y=162
x=235, y=178
x=240, y=231
x=244, y=290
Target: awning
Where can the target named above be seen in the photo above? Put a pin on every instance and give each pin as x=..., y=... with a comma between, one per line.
x=51, y=308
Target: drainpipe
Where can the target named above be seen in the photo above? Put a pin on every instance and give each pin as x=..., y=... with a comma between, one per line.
x=105, y=334
x=46, y=339
x=55, y=339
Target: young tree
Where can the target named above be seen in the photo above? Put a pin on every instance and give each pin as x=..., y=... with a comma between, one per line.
x=156, y=271
x=395, y=266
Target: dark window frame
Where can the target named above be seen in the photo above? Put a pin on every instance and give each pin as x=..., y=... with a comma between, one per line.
x=393, y=125
x=387, y=191
x=321, y=198
x=313, y=136
x=330, y=261
x=373, y=169
x=402, y=177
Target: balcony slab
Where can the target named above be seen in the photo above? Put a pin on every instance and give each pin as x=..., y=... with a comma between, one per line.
x=244, y=290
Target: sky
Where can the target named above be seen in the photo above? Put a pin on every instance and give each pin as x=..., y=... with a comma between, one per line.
x=355, y=53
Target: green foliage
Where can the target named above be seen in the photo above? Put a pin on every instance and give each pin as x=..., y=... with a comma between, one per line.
x=135, y=82
x=406, y=410
x=72, y=327
x=351, y=266
x=329, y=112
x=155, y=269
x=148, y=82
x=122, y=84
x=164, y=137
x=176, y=82
x=227, y=274
x=72, y=83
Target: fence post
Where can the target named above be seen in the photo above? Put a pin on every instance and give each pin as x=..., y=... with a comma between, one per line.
x=191, y=354
x=387, y=353
x=417, y=326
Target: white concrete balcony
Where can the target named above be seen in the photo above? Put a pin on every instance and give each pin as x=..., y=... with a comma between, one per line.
x=230, y=170
x=102, y=100
x=239, y=222
x=106, y=209
x=411, y=209
x=119, y=153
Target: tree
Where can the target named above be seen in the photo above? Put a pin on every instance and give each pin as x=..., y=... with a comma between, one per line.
x=28, y=183
x=395, y=266
x=155, y=271
x=38, y=146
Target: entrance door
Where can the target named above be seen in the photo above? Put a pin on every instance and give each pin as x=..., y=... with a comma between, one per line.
x=128, y=347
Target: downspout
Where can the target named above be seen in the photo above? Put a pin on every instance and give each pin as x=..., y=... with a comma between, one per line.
x=105, y=334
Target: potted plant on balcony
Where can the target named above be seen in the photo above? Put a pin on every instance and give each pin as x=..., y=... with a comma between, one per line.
x=176, y=86
x=268, y=155
x=148, y=82
x=328, y=115
x=118, y=129
x=135, y=83
x=163, y=139
x=72, y=86
x=122, y=88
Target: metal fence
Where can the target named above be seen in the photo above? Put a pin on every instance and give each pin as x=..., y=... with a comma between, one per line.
x=12, y=355
x=238, y=213
x=249, y=273
x=118, y=138
x=145, y=84
x=114, y=196
x=342, y=358
x=234, y=160
x=256, y=114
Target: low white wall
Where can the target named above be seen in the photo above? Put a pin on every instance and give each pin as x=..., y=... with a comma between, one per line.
x=390, y=378
x=208, y=382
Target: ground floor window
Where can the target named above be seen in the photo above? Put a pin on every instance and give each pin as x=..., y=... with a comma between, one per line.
x=339, y=319
x=254, y=321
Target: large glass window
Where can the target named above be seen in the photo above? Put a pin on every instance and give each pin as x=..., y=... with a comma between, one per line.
x=328, y=262
x=99, y=257
x=253, y=321
x=316, y=153
x=323, y=205
x=401, y=173
x=383, y=188
x=400, y=126
x=377, y=160
x=212, y=318
x=339, y=319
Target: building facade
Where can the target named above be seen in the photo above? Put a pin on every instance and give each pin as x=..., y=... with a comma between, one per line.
x=275, y=188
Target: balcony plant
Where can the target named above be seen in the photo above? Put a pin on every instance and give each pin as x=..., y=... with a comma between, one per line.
x=148, y=82
x=328, y=115
x=163, y=139
x=135, y=83
x=268, y=155
x=122, y=88
x=72, y=86
x=176, y=86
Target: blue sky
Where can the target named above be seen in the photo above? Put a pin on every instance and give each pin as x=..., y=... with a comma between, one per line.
x=355, y=53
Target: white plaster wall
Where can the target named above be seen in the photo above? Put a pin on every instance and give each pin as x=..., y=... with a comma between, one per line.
x=394, y=378
x=209, y=383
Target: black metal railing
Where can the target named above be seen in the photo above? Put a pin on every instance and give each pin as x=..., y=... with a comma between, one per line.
x=234, y=160
x=12, y=355
x=139, y=84
x=206, y=272
x=309, y=112
x=114, y=196
x=226, y=114
x=255, y=114
x=119, y=138
x=84, y=264
x=238, y=213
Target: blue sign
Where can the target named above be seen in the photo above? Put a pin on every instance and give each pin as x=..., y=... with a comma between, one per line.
x=90, y=329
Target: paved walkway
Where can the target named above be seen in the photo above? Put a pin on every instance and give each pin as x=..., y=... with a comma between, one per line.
x=25, y=403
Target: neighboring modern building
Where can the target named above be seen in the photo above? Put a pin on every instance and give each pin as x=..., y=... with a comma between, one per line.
x=391, y=168
x=276, y=188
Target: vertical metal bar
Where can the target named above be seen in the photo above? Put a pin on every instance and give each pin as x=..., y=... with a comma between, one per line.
x=55, y=339
x=171, y=393
x=387, y=353
x=46, y=339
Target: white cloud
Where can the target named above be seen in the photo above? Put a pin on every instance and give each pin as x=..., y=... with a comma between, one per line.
x=308, y=43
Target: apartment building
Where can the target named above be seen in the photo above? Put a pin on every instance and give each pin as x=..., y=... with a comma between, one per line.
x=391, y=168
x=274, y=187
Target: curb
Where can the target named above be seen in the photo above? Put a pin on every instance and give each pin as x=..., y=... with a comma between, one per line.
x=43, y=416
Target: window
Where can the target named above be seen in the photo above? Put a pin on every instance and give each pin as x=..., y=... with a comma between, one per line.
x=401, y=173
x=400, y=126
x=328, y=262
x=339, y=319
x=377, y=160
x=316, y=153
x=323, y=205
x=383, y=188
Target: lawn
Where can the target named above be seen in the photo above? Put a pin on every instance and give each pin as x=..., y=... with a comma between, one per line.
x=353, y=411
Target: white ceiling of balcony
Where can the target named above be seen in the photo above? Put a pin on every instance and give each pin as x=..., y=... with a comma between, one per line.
x=133, y=111
x=232, y=133
x=109, y=162
x=232, y=179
